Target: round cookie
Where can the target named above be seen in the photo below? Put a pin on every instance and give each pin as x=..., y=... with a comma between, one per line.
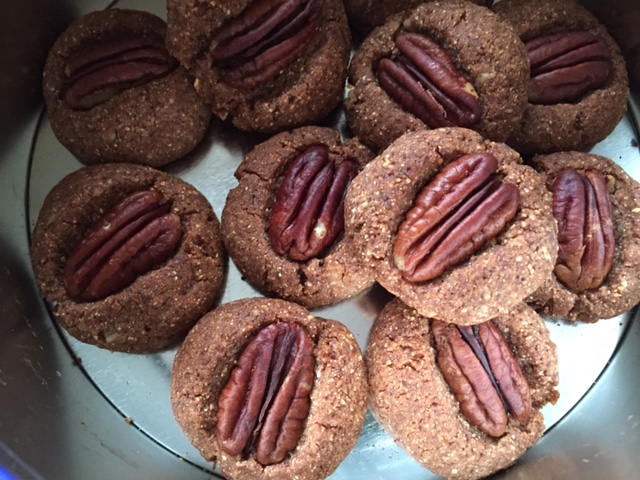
x=328, y=278
x=620, y=290
x=485, y=50
x=160, y=306
x=495, y=278
x=300, y=93
x=412, y=400
x=578, y=124
x=338, y=399
x=152, y=121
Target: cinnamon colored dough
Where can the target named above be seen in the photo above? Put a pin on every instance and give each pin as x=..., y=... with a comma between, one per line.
x=203, y=365
x=160, y=306
x=411, y=399
x=620, y=290
x=494, y=279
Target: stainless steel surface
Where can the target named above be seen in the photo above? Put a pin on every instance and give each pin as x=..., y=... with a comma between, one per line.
x=110, y=418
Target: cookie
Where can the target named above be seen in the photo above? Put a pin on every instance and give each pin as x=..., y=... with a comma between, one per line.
x=558, y=118
x=254, y=71
x=479, y=80
x=114, y=94
x=271, y=226
x=138, y=296
x=412, y=399
x=481, y=284
x=332, y=390
x=599, y=278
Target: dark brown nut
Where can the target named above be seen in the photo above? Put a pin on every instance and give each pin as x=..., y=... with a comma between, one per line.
x=100, y=71
x=308, y=213
x=464, y=206
x=131, y=239
x=586, y=235
x=263, y=408
x=425, y=81
x=565, y=66
x=484, y=375
x=267, y=37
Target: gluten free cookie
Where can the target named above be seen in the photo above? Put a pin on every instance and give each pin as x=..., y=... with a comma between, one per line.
x=283, y=224
x=442, y=64
x=129, y=257
x=578, y=85
x=247, y=353
x=453, y=224
x=114, y=94
x=597, y=206
x=266, y=66
x=418, y=394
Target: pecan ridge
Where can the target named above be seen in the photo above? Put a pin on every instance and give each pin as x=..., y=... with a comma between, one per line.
x=462, y=208
x=264, y=406
x=308, y=213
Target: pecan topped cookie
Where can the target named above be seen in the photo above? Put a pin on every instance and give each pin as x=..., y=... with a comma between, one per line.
x=269, y=391
x=442, y=64
x=128, y=256
x=283, y=224
x=114, y=94
x=453, y=224
x=267, y=65
x=578, y=88
x=597, y=206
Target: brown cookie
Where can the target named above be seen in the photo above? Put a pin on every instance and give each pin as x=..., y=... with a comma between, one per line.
x=114, y=94
x=577, y=119
x=598, y=288
x=486, y=284
x=158, y=308
x=299, y=81
x=338, y=397
x=488, y=90
x=412, y=400
x=329, y=276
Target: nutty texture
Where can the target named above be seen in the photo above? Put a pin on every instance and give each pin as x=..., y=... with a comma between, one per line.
x=338, y=399
x=114, y=95
x=335, y=274
x=619, y=292
x=501, y=274
x=161, y=305
x=135, y=236
x=412, y=400
x=461, y=209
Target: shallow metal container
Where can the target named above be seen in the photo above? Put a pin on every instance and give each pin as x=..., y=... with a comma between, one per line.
x=70, y=411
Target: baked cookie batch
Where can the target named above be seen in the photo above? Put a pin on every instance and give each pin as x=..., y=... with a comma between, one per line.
x=463, y=187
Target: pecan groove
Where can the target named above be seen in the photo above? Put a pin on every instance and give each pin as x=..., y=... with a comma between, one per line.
x=135, y=236
x=484, y=375
x=425, y=81
x=308, y=212
x=268, y=36
x=464, y=206
x=100, y=71
x=586, y=234
x=565, y=66
x=264, y=406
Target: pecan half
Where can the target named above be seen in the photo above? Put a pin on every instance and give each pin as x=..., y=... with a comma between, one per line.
x=484, y=375
x=586, y=235
x=425, y=81
x=263, y=407
x=100, y=71
x=308, y=213
x=565, y=66
x=268, y=36
x=464, y=206
x=134, y=237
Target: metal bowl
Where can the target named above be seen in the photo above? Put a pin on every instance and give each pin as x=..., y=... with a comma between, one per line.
x=72, y=411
